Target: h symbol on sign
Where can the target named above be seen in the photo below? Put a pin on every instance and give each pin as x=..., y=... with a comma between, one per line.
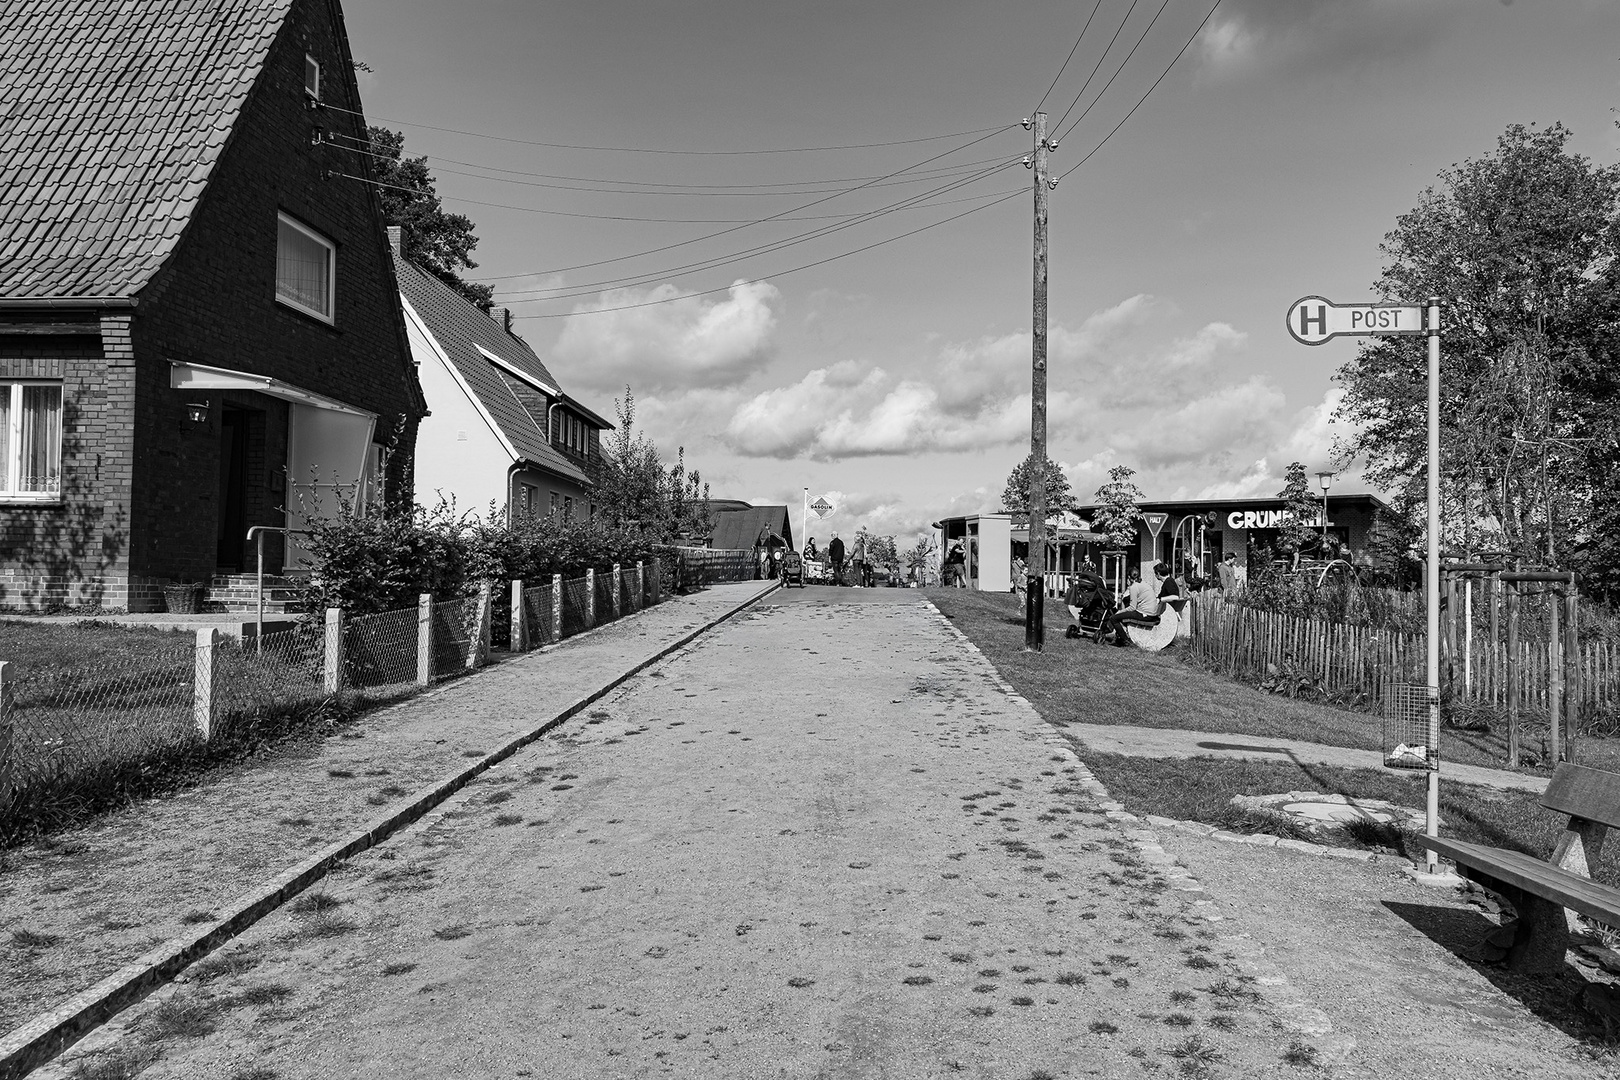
x=1305, y=319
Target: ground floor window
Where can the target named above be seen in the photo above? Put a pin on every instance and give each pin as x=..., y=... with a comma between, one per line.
x=30, y=440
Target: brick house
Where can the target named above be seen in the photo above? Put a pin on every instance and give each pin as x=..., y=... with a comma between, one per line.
x=502, y=430
x=199, y=329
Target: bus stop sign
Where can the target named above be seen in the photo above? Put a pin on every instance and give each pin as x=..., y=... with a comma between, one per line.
x=1313, y=320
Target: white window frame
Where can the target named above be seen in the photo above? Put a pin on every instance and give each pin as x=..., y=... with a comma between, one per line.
x=315, y=92
x=13, y=387
x=283, y=218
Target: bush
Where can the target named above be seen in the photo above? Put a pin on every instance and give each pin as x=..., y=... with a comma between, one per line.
x=372, y=560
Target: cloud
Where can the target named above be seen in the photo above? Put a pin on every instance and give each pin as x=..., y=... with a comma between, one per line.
x=976, y=396
x=686, y=342
x=1313, y=36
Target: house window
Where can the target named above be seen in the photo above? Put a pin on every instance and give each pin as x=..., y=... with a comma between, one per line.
x=568, y=507
x=30, y=440
x=553, y=504
x=304, y=263
x=530, y=497
x=312, y=77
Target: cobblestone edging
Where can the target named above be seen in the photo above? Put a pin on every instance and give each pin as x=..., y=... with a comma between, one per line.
x=40, y=1039
x=1292, y=1010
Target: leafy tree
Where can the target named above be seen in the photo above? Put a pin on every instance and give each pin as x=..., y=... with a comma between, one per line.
x=923, y=557
x=1521, y=246
x=439, y=242
x=1015, y=497
x=634, y=490
x=1117, y=512
x=882, y=554
x=1300, y=507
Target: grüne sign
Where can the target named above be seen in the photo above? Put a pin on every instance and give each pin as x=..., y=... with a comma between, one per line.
x=1313, y=319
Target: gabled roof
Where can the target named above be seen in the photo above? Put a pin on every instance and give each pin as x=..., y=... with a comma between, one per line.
x=739, y=529
x=112, y=119
x=468, y=339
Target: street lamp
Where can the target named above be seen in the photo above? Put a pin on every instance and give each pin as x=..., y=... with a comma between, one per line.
x=1326, y=480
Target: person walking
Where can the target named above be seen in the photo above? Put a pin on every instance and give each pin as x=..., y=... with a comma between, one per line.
x=1228, y=573
x=835, y=552
x=859, y=557
x=955, y=566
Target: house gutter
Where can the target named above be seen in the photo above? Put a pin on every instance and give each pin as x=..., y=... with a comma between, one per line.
x=7, y=302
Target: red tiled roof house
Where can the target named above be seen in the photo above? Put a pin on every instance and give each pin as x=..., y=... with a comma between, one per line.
x=200, y=329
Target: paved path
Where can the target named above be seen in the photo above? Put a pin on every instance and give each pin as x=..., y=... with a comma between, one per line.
x=1174, y=743
x=821, y=842
x=107, y=893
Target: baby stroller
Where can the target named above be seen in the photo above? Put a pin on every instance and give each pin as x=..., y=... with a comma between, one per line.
x=792, y=569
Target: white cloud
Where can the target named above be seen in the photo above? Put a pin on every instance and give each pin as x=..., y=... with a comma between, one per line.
x=1314, y=36
x=684, y=342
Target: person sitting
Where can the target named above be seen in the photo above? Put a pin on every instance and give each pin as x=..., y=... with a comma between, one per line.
x=1086, y=598
x=1143, y=602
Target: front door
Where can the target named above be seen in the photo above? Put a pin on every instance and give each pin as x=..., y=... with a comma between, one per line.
x=232, y=538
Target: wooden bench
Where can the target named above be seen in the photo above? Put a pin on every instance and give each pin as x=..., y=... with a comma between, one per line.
x=1540, y=891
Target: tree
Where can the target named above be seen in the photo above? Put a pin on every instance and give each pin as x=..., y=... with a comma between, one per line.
x=630, y=477
x=1300, y=508
x=1521, y=247
x=923, y=557
x=439, y=242
x=882, y=554
x=1117, y=513
x=1015, y=497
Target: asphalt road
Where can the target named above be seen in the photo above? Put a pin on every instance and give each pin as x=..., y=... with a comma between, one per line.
x=821, y=842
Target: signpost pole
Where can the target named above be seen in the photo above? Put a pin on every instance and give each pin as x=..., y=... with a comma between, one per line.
x=804, y=522
x=1432, y=580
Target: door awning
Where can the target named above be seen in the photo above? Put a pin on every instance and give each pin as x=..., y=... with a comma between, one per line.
x=201, y=377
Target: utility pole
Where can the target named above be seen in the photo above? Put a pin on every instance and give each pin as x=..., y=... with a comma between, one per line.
x=1035, y=591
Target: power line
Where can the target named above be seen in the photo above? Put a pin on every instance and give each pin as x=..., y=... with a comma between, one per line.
x=779, y=274
x=1072, y=51
x=1150, y=90
x=1117, y=70
x=363, y=148
x=1097, y=66
x=785, y=214
x=584, y=288
x=686, y=153
x=715, y=191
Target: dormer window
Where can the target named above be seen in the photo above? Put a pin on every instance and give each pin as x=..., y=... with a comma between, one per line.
x=312, y=77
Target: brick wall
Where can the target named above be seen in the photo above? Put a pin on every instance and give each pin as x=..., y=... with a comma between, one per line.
x=141, y=482
x=214, y=303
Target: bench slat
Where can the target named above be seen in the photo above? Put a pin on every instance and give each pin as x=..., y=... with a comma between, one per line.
x=1533, y=875
x=1581, y=792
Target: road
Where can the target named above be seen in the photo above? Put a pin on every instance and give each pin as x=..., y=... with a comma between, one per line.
x=823, y=841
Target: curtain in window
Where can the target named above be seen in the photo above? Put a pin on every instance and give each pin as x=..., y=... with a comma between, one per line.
x=301, y=269
x=41, y=439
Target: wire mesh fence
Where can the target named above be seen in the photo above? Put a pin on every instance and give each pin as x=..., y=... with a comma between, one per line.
x=454, y=624
x=78, y=719
x=537, y=609
x=380, y=650
x=88, y=713
x=576, y=607
x=607, y=592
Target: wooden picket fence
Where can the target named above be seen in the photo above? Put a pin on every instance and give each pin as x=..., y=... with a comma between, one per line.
x=1358, y=661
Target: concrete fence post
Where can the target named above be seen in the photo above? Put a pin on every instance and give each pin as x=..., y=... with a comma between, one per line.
x=8, y=740
x=202, y=683
x=641, y=585
x=424, y=639
x=556, y=608
x=590, y=599
x=478, y=643
x=618, y=592
x=657, y=579
x=520, y=619
x=334, y=650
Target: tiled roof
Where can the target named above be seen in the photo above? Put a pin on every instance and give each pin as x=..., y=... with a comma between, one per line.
x=112, y=115
x=738, y=529
x=461, y=329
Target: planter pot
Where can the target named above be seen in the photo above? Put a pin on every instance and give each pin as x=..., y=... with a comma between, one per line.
x=183, y=599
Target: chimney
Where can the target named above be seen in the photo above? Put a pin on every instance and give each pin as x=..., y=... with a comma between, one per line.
x=396, y=239
x=503, y=316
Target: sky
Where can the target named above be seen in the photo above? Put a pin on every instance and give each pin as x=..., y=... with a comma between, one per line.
x=674, y=197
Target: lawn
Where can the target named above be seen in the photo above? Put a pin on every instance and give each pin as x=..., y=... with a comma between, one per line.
x=1078, y=682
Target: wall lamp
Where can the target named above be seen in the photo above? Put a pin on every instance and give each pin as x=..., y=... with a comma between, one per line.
x=197, y=411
